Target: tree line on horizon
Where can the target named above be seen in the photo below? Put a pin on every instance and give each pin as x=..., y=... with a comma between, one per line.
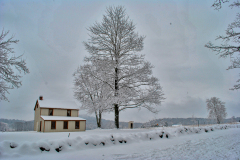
x=13, y=125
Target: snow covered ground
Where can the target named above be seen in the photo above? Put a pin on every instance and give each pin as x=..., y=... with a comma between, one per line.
x=182, y=143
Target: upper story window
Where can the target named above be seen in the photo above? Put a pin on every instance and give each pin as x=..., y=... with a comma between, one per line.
x=50, y=112
x=69, y=113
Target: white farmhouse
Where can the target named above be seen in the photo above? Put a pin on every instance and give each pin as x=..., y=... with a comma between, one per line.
x=57, y=116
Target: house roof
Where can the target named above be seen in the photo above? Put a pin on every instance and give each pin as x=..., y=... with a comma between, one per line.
x=57, y=104
x=61, y=118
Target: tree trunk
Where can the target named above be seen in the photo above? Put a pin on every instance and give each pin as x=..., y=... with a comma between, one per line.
x=99, y=119
x=116, y=116
x=218, y=121
x=116, y=94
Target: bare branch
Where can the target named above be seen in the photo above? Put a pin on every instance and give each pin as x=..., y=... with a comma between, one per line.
x=231, y=41
x=7, y=65
x=218, y=4
x=235, y=4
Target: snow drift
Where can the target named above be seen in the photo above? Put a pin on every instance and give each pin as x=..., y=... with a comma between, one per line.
x=110, y=138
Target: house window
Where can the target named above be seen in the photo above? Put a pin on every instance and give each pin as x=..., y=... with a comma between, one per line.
x=50, y=112
x=65, y=124
x=77, y=124
x=53, y=124
x=69, y=113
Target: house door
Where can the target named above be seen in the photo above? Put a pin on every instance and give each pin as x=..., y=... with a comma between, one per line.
x=40, y=126
x=131, y=125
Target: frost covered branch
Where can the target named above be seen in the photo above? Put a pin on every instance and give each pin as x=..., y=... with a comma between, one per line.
x=218, y=4
x=92, y=93
x=8, y=78
x=231, y=41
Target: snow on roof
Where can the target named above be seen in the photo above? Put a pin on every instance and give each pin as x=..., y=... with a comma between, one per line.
x=45, y=103
x=61, y=118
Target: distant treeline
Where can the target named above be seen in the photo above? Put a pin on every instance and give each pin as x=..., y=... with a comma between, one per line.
x=108, y=124
x=186, y=121
x=16, y=125
x=21, y=125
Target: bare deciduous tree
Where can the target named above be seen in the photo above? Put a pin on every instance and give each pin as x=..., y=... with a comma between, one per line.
x=114, y=44
x=8, y=78
x=216, y=109
x=231, y=42
x=92, y=93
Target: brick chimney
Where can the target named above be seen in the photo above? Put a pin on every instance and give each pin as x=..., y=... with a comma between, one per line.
x=41, y=98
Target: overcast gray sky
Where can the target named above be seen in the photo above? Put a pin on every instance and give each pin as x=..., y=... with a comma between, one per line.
x=51, y=35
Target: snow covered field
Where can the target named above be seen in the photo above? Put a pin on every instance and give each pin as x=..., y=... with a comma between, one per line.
x=215, y=142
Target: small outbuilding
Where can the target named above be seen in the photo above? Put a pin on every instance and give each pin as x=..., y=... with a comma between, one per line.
x=130, y=124
x=57, y=116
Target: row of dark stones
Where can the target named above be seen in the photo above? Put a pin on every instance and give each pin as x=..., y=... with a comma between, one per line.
x=197, y=131
x=57, y=149
x=41, y=148
x=102, y=143
x=123, y=141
